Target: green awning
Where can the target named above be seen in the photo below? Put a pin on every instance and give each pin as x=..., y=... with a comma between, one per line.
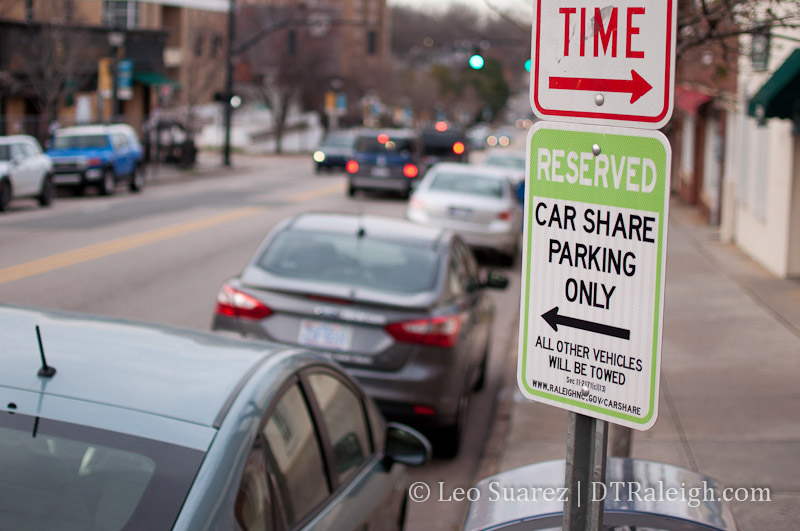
x=781, y=92
x=152, y=79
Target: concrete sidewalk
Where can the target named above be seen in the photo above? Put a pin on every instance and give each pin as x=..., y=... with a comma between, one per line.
x=730, y=403
x=209, y=164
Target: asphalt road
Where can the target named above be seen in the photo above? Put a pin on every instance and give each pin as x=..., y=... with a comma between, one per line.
x=161, y=257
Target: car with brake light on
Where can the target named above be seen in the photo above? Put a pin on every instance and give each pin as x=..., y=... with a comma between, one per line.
x=97, y=155
x=334, y=152
x=25, y=172
x=477, y=202
x=444, y=142
x=110, y=424
x=403, y=308
x=385, y=160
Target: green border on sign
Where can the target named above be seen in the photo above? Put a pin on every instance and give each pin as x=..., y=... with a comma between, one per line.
x=581, y=138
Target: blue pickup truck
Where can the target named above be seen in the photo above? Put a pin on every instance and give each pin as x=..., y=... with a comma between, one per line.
x=97, y=155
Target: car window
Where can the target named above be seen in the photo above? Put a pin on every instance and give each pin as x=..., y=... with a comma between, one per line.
x=295, y=450
x=5, y=152
x=29, y=149
x=385, y=143
x=59, y=475
x=80, y=142
x=386, y=266
x=16, y=151
x=467, y=184
x=455, y=278
x=467, y=258
x=253, y=508
x=344, y=419
x=377, y=426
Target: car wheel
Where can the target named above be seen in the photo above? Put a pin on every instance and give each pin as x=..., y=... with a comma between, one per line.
x=48, y=192
x=107, y=183
x=449, y=440
x=5, y=194
x=136, y=182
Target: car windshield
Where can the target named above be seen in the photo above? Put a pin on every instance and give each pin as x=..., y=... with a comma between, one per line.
x=383, y=143
x=80, y=142
x=347, y=259
x=5, y=152
x=506, y=162
x=58, y=475
x=467, y=184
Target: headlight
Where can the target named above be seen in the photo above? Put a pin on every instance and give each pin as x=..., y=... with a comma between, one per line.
x=319, y=156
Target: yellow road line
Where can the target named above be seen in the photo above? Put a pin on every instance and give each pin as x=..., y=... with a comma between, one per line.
x=98, y=250
x=319, y=192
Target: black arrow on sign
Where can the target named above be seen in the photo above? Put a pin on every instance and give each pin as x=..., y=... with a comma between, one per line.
x=553, y=319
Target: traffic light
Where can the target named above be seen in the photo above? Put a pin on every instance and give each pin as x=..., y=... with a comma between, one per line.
x=528, y=65
x=476, y=62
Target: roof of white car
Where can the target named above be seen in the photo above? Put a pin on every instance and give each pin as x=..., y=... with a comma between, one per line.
x=15, y=138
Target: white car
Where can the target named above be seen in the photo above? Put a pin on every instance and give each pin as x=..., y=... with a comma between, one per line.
x=477, y=202
x=25, y=171
x=512, y=161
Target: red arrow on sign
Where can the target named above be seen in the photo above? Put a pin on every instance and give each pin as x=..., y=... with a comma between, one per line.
x=637, y=86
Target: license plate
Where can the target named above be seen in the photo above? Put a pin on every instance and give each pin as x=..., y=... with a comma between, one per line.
x=460, y=213
x=325, y=335
x=380, y=172
x=67, y=178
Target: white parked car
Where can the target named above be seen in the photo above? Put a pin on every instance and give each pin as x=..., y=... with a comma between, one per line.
x=25, y=171
x=477, y=202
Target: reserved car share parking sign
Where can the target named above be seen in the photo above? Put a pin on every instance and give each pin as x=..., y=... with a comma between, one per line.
x=597, y=201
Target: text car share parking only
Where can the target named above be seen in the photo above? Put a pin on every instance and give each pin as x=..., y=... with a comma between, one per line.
x=595, y=235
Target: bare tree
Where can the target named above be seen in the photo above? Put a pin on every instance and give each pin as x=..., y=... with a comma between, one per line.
x=288, y=66
x=55, y=62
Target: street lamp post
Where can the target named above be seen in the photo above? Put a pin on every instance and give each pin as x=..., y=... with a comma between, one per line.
x=226, y=152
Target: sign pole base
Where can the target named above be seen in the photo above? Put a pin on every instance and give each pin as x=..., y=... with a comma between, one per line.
x=587, y=444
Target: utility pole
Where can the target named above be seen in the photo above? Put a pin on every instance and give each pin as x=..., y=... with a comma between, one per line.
x=226, y=152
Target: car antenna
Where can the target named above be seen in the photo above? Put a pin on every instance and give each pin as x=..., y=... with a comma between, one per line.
x=47, y=371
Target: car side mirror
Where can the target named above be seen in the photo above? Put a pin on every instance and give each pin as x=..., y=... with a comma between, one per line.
x=495, y=280
x=406, y=445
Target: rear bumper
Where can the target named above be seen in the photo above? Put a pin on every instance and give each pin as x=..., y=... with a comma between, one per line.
x=398, y=184
x=501, y=236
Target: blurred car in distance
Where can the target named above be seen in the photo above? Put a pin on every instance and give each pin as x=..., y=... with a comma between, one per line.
x=532, y=498
x=477, y=202
x=97, y=155
x=385, y=160
x=335, y=150
x=512, y=161
x=444, y=142
x=403, y=308
x=133, y=426
x=25, y=172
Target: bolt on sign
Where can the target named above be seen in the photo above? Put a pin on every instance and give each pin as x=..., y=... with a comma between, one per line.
x=595, y=243
x=611, y=64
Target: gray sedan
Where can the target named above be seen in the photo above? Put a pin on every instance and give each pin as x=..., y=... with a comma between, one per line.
x=477, y=202
x=115, y=425
x=402, y=307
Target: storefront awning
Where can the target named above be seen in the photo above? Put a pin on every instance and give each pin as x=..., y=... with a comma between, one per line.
x=780, y=93
x=153, y=79
x=689, y=100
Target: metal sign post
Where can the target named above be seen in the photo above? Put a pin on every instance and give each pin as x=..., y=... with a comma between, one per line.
x=587, y=439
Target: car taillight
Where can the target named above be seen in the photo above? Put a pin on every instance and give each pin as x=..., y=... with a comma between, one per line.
x=504, y=215
x=436, y=331
x=234, y=303
x=459, y=148
x=94, y=162
x=352, y=166
x=410, y=171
